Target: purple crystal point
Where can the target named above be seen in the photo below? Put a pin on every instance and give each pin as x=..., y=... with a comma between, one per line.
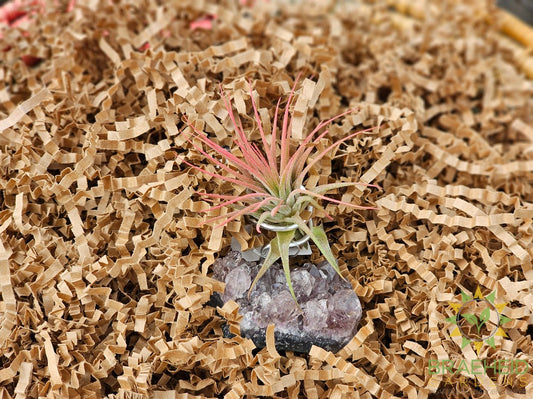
x=238, y=282
x=344, y=312
x=303, y=284
x=315, y=315
x=283, y=310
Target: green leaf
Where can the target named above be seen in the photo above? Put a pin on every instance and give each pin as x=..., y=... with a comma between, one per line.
x=484, y=316
x=323, y=189
x=282, y=241
x=302, y=200
x=318, y=235
x=465, y=297
x=471, y=318
x=491, y=297
x=264, y=216
x=272, y=256
x=504, y=319
x=452, y=319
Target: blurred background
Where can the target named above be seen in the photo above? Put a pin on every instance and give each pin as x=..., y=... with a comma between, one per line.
x=523, y=9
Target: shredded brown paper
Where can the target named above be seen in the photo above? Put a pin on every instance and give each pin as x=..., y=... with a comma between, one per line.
x=105, y=265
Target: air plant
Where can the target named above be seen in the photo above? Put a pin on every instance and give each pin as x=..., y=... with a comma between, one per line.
x=274, y=181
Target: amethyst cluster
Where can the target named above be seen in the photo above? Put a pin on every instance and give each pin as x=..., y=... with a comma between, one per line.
x=330, y=309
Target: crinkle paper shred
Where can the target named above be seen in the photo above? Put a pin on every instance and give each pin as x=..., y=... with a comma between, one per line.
x=105, y=268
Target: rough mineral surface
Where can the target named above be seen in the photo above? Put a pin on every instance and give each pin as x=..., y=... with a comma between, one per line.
x=329, y=308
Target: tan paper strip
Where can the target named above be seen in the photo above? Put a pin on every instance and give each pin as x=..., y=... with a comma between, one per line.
x=53, y=360
x=129, y=129
x=524, y=128
x=8, y=296
x=411, y=260
x=25, y=376
x=109, y=51
x=356, y=342
x=482, y=169
x=270, y=341
x=485, y=195
x=10, y=371
x=352, y=373
x=24, y=108
x=393, y=204
x=470, y=209
x=162, y=20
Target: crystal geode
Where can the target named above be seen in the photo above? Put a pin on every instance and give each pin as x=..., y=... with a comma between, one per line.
x=330, y=309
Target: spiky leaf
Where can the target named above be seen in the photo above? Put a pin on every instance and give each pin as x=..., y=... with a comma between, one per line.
x=282, y=241
x=504, y=319
x=484, y=316
x=272, y=256
x=318, y=236
x=471, y=318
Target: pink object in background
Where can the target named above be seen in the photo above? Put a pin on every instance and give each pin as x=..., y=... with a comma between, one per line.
x=17, y=13
x=12, y=14
x=203, y=23
x=71, y=5
x=30, y=60
x=250, y=2
x=144, y=47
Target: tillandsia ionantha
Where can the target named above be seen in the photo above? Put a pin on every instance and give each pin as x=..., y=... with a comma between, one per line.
x=274, y=181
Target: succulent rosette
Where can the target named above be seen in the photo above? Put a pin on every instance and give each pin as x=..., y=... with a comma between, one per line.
x=274, y=179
